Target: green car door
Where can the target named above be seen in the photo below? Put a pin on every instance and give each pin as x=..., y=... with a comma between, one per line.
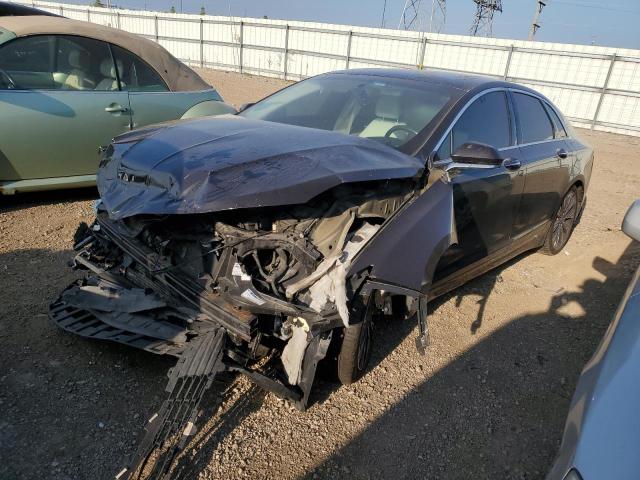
x=150, y=99
x=59, y=101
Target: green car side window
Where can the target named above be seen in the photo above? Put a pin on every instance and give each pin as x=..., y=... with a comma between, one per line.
x=135, y=74
x=57, y=62
x=27, y=63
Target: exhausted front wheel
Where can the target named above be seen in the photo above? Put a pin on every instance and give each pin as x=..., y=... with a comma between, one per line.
x=355, y=346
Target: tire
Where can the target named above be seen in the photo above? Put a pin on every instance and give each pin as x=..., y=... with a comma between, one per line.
x=562, y=225
x=355, y=347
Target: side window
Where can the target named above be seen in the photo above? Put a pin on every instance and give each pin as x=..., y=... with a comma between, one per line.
x=558, y=128
x=27, y=63
x=55, y=62
x=535, y=125
x=485, y=121
x=136, y=75
x=83, y=64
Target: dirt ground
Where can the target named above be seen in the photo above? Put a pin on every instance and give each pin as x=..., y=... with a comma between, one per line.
x=487, y=401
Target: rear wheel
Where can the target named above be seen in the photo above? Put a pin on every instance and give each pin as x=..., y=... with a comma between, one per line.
x=563, y=224
x=355, y=346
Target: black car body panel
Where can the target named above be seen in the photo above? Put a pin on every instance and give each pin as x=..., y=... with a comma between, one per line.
x=212, y=164
x=274, y=236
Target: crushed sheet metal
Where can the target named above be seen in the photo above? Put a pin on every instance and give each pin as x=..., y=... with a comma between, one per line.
x=212, y=164
x=324, y=266
x=430, y=220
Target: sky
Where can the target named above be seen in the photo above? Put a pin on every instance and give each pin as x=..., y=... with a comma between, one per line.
x=614, y=23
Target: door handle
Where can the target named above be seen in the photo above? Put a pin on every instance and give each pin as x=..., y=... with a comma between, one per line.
x=511, y=163
x=115, y=108
x=561, y=153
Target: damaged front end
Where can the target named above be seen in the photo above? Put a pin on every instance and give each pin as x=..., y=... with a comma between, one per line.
x=256, y=257
x=273, y=280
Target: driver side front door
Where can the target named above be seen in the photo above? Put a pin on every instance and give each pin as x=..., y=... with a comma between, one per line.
x=486, y=198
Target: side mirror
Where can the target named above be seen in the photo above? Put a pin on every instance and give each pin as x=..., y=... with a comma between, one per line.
x=477, y=154
x=244, y=106
x=631, y=222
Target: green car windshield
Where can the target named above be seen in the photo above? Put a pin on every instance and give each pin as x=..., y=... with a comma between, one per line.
x=388, y=110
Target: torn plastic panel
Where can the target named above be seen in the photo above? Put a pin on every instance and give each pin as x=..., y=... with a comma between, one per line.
x=328, y=283
x=213, y=164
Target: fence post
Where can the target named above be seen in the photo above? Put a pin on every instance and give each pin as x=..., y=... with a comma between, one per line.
x=286, y=52
x=506, y=68
x=240, y=46
x=422, y=53
x=604, y=91
x=347, y=58
x=155, y=27
x=201, y=43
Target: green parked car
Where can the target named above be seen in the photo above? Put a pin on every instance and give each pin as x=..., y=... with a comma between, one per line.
x=67, y=87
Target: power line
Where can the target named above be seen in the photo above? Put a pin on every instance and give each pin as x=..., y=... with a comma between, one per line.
x=602, y=7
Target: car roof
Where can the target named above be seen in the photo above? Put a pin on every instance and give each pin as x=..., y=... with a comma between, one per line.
x=460, y=80
x=176, y=74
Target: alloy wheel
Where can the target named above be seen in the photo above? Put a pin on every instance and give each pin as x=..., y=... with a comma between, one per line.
x=564, y=220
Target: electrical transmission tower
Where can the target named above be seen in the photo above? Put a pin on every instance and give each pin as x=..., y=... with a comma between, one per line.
x=535, y=25
x=483, y=21
x=438, y=15
x=413, y=16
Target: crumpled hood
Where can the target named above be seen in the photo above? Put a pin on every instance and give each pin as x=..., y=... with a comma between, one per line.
x=219, y=163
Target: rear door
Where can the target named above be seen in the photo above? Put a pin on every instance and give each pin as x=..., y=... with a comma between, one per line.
x=59, y=101
x=150, y=99
x=543, y=152
x=485, y=198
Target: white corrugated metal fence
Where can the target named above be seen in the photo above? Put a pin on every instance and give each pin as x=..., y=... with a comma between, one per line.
x=596, y=87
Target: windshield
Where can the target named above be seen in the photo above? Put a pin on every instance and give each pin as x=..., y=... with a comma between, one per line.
x=389, y=110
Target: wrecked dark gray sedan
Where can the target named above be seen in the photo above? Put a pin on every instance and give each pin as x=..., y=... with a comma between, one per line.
x=268, y=241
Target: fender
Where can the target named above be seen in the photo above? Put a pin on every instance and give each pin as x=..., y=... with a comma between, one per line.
x=406, y=251
x=208, y=108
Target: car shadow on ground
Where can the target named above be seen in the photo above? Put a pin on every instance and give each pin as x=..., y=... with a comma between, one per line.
x=498, y=410
x=19, y=201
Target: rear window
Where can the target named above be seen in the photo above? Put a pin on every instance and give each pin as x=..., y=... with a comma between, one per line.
x=535, y=125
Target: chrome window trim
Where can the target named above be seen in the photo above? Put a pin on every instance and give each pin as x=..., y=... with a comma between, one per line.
x=553, y=128
x=447, y=161
x=464, y=109
x=549, y=106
